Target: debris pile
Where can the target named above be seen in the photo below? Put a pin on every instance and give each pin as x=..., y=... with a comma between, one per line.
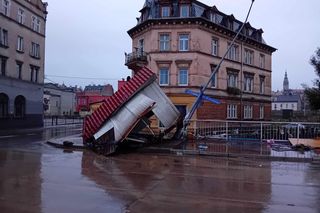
x=128, y=112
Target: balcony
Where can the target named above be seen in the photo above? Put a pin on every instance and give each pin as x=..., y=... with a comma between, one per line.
x=233, y=90
x=136, y=60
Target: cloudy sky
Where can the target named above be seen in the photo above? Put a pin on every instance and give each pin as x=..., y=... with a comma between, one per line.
x=86, y=40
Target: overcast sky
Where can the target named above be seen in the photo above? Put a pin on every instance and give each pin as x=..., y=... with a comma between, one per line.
x=88, y=38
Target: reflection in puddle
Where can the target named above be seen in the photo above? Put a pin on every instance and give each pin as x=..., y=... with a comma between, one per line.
x=55, y=181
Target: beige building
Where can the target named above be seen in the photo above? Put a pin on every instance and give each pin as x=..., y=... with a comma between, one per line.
x=183, y=41
x=22, y=53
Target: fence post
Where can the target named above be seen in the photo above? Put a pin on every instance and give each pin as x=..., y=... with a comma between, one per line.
x=261, y=129
x=195, y=128
x=227, y=135
x=298, y=132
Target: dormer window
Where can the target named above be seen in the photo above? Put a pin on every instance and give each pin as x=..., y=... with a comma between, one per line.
x=165, y=12
x=213, y=17
x=216, y=18
x=184, y=11
x=236, y=26
x=230, y=25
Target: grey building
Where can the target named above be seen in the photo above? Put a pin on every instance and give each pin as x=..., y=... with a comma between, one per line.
x=287, y=102
x=22, y=49
x=289, y=99
x=60, y=100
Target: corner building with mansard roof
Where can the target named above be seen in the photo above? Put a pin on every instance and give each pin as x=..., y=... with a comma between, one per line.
x=183, y=40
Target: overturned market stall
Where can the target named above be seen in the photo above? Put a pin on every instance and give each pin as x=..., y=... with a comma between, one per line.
x=128, y=111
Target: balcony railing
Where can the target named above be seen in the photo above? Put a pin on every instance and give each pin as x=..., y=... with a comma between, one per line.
x=138, y=57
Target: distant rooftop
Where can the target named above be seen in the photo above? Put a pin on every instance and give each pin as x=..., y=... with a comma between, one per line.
x=287, y=98
x=105, y=90
x=60, y=87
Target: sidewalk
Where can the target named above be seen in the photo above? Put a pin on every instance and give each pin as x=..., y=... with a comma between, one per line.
x=200, y=148
x=72, y=142
x=7, y=132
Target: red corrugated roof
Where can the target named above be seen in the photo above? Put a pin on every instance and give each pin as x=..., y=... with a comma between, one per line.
x=94, y=122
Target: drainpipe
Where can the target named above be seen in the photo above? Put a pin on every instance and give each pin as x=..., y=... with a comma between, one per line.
x=241, y=81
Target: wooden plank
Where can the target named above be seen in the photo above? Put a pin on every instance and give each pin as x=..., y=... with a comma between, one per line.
x=314, y=143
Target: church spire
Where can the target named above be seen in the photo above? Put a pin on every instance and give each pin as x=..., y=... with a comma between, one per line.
x=286, y=82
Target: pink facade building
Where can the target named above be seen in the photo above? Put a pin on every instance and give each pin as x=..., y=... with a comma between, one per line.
x=183, y=40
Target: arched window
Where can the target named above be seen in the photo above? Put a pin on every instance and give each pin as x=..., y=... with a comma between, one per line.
x=4, y=104
x=20, y=106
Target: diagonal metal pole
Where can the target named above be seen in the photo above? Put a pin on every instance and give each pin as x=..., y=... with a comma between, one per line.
x=197, y=102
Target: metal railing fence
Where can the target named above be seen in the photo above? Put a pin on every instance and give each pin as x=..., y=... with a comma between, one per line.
x=253, y=130
x=61, y=120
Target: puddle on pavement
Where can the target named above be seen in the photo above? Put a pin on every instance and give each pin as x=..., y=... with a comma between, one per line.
x=85, y=182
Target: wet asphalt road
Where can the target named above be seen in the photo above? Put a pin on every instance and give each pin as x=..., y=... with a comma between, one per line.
x=35, y=177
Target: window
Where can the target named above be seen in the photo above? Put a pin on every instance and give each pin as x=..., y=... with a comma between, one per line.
x=236, y=26
x=21, y=16
x=19, y=70
x=233, y=52
x=35, y=50
x=164, y=42
x=232, y=111
x=248, y=83
x=3, y=64
x=34, y=74
x=230, y=25
x=164, y=76
x=20, y=106
x=141, y=45
x=262, y=84
x=262, y=61
x=4, y=104
x=35, y=23
x=140, y=49
x=183, y=77
x=214, y=45
x=214, y=77
x=20, y=44
x=184, y=11
x=261, y=112
x=165, y=11
x=216, y=18
x=248, y=57
x=3, y=37
x=183, y=42
x=6, y=7
x=233, y=79
x=247, y=112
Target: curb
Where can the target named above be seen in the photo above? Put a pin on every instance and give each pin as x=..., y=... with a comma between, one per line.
x=61, y=146
x=181, y=152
